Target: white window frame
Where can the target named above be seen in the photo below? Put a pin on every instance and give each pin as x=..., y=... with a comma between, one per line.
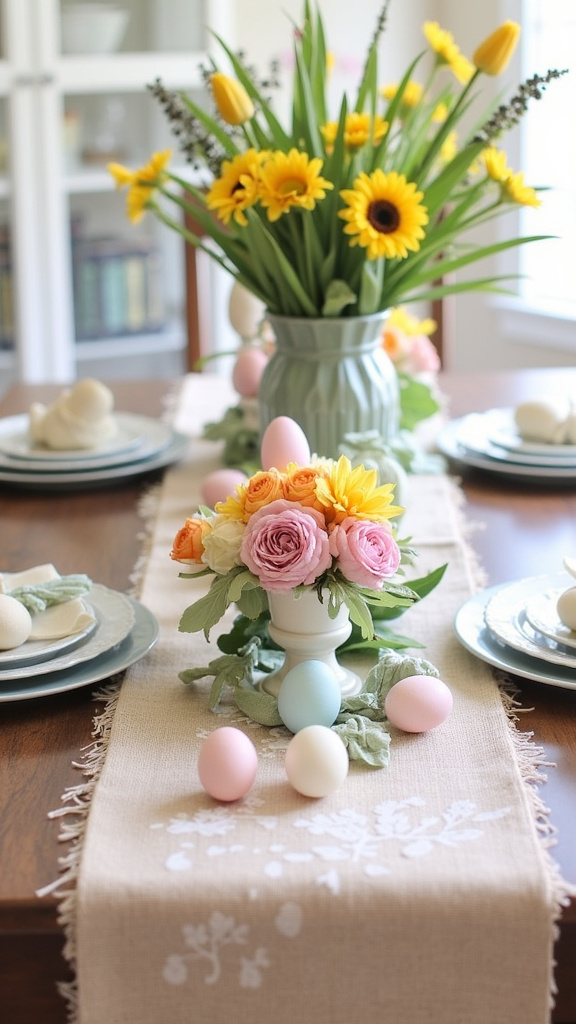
x=538, y=322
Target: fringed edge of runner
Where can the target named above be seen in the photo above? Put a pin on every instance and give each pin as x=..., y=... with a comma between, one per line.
x=530, y=756
x=532, y=762
x=76, y=800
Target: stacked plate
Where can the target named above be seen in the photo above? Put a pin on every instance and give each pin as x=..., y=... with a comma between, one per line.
x=140, y=445
x=121, y=632
x=489, y=440
x=516, y=628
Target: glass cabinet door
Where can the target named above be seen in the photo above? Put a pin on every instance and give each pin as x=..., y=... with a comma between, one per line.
x=93, y=295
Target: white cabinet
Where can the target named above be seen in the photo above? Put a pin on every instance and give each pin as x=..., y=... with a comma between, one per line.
x=81, y=290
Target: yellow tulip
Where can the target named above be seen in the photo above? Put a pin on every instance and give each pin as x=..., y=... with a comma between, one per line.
x=493, y=55
x=232, y=100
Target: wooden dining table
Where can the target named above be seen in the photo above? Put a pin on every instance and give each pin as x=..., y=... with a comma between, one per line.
x=525, y=527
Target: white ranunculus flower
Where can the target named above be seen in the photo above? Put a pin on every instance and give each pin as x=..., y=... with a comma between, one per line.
x=222, y=545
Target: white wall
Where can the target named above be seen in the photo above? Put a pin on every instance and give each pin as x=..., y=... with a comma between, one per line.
x=264, y=31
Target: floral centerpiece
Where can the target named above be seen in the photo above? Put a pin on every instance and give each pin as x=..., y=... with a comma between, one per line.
x=323, y=530
x=342, y=215
x=353, y=214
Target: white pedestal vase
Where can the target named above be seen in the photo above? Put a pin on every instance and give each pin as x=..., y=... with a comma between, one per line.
x=302, y=626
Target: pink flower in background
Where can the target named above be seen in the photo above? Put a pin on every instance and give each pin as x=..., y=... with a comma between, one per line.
x=286, y=545
x=366, y=551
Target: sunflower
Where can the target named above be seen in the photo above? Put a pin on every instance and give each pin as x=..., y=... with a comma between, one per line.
x=354, y=492
x=384, y=214
x=141, y=183
x=447, y=52
x=358, y=130
x=514, y=189
x=237, y=187
x=291, y=179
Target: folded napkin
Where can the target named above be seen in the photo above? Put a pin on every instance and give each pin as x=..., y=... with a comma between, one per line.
x=57, y=620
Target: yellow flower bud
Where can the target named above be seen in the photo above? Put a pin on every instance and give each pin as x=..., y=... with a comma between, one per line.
x=232, y=100
x=493, y=55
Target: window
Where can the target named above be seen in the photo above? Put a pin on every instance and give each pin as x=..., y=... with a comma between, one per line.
x=548, y=157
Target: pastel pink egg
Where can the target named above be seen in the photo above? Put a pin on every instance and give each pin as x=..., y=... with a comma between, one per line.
x=418, y=703
x=227, y=764
x=283, y=442
x=217, y=486
x=248, y=370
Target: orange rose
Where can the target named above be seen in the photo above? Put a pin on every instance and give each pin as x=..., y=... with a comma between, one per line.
x=188, y=546
x=300, y=486
x=261, y=489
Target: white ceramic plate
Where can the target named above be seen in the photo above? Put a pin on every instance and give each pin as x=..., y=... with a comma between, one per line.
x=16, y=442
x=33, y=651
x=140, y=639
x=501, y=429
x=506, y=619
x=447, y=442
x=115, y=618
x=139, y=437
x=543, y=617
x=474, y=635
x=85, y=478
x=472, y=435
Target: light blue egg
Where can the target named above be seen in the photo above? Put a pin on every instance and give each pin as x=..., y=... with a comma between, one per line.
x=309, y=695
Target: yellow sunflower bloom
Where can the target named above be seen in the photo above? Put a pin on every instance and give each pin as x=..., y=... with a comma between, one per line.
x=384, y=214
x=291, y=179
x=514, y=189
x=447, y=52
x=354, y=492
x=358, y=130
x=494, y=54
x=237, y=187
x=410, y=97
x=494, y=161
x=141, y=183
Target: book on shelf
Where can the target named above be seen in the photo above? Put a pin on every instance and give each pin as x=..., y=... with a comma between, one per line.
x=117, y=288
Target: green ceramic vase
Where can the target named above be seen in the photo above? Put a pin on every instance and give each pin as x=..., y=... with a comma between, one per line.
x=333, y=377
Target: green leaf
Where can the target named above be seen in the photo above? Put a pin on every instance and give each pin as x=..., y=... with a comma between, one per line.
x=417, y=402
x=338, y=296
x=260, y=707
x=365, y=740
x=422, y=586
x=253, y=602
x=208, y=610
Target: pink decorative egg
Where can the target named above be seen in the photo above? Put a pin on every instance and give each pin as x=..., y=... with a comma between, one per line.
x=418, y=703
x=227, y=764
x=283, y=442
x=217, y=486
x=248, y=370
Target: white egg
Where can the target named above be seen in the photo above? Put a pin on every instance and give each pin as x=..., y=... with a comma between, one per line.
x=316, y=761
x=542, y=420
x=566, y=608
x=283, y=442
x=245, y=311
x=15, y=623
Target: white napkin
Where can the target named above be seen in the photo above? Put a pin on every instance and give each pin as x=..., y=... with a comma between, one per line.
x=59, y=620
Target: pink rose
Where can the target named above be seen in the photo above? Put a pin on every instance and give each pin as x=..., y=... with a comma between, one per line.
x=367, y=552
x=285, y=545
x=421, y=357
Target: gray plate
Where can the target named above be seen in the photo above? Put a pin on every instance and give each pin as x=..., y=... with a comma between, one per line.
x=140, y=639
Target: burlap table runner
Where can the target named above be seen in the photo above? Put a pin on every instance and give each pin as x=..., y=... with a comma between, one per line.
x=415, y=894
